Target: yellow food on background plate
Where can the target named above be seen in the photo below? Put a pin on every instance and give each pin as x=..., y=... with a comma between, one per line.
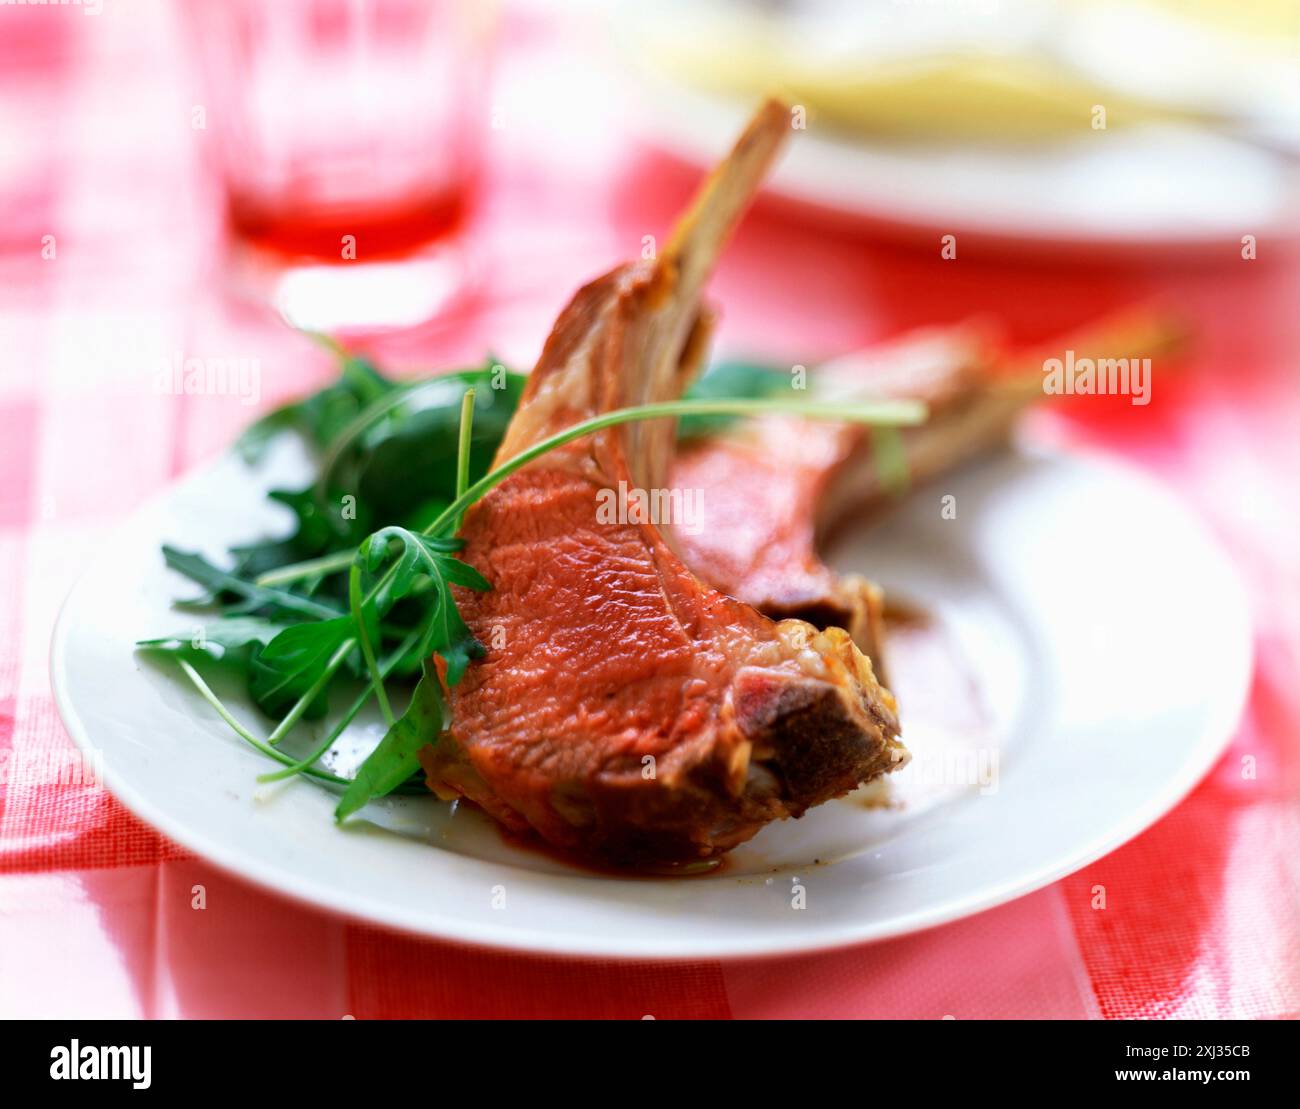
x=986, y=70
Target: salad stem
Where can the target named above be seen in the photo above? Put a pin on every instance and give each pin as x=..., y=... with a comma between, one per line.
x=323, y=566
x=304, y=764
x=367, y=648
x=301, y=705
x=886, y=412
x=243, y=733
x=463, y=445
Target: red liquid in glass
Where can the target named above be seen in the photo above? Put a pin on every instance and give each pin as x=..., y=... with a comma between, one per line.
x=379, y=230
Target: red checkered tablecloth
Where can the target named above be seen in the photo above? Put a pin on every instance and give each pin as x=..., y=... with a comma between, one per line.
x=1202, y=913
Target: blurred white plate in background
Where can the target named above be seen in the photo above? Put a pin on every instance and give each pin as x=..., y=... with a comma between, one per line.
x=1158, y=185
x=1164, y=182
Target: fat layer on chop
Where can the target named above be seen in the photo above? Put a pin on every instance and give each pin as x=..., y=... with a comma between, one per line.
x=624, y=708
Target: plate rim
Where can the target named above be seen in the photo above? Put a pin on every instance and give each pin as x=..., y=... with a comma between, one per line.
x=1212, y=739
x=802, y=188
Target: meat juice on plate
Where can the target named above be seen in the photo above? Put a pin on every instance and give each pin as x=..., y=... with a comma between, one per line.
x=946, y=723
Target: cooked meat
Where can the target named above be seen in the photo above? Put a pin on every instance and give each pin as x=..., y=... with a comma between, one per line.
x=775, y=488
x=766, y=486
x=623, y=708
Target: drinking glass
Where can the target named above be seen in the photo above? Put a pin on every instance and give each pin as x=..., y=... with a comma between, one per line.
x=345, y=135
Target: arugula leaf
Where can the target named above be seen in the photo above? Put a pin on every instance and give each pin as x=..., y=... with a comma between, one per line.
x=286, y=668
x=254, y=440
x=393, y=447
x=318, y=529
x=408, y=457
x=320, y=417
x=397, y=756
x=421, y=557
x=254, y=598
x=227, y=639
x=394, y=457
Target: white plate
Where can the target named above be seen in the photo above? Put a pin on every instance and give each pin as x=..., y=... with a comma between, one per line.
x=1108, y=636
x=1162, y=184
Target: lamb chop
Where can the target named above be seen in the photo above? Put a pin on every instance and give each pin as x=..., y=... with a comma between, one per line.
x=776, y=488
x=624, y=709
